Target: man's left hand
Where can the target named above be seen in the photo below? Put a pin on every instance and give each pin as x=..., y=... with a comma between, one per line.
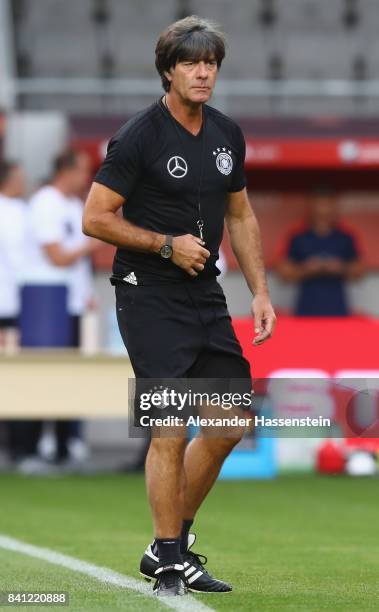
x=264, y=318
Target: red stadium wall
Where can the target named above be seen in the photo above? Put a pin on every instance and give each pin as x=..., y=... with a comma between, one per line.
x=278, y=213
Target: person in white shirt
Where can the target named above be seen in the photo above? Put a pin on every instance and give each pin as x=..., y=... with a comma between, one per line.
x=12, y=228
x=57, y=250
x=57, y=253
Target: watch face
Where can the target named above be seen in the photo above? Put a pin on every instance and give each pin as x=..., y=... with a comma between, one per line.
x=166, y=251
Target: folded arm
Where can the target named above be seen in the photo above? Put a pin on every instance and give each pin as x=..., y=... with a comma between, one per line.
x=101, y=220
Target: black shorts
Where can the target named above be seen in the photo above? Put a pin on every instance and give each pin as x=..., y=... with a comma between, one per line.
x=178, y=331
x=181, y=331
x=8, y=322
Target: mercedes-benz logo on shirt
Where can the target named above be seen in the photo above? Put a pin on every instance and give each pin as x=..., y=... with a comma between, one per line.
x=177, y=166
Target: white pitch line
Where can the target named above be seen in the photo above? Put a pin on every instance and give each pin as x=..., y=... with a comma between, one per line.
x=102, y=574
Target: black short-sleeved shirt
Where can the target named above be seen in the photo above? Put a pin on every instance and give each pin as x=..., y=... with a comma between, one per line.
x=322, y=295
x=156, y=165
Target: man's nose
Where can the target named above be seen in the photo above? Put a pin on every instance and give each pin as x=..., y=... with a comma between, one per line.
x=202, y=72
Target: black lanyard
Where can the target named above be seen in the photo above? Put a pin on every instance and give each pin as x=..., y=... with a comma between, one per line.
x=199, y=222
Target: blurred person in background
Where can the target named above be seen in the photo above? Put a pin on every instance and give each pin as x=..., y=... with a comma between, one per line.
x=12, y=239
x=58, y=252
x=320, y=257
x=57, y=249
x=12, y=228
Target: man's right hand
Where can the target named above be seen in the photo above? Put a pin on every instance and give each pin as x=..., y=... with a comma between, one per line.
x=189, y=253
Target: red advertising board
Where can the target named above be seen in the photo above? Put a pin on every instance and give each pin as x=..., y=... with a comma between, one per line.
x=305, y=153
x=333, y=153
x=314, y=366
x=332, y=345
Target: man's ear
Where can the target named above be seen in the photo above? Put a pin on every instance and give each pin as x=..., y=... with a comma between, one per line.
x=168, y=75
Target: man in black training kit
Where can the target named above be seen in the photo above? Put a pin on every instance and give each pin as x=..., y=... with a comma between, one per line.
x=176, y=169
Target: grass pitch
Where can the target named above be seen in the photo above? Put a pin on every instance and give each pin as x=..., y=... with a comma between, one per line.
x=300, y=543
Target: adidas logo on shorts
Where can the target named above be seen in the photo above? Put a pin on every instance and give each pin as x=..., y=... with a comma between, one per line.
x=131, y=278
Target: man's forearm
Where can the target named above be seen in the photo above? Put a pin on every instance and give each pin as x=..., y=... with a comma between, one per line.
x=61, y=258
x=247, y=246
x=111, y=228
x=293, y=272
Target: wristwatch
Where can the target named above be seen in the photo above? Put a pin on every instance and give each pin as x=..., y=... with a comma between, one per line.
x=166, y=250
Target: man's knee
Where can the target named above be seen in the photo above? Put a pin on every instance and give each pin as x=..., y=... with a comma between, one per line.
x=168, y=446
x=233, y=437
x=224, y=444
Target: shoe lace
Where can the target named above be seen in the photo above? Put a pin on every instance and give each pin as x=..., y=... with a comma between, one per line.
x=196, y=559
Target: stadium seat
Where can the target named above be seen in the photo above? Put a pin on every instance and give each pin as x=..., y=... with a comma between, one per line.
x=307, y=39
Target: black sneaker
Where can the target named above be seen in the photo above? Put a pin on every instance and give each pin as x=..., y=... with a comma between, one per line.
x=196, y=577
x=169, y=581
